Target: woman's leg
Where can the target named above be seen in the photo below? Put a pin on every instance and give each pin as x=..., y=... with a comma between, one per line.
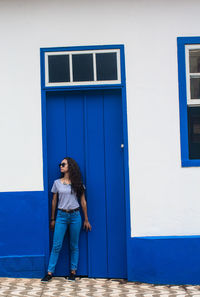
x=59, y=232
x=75, y=227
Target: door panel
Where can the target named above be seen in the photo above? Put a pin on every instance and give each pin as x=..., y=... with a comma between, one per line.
x=96, y=196
x=56, y=145
x=87, y=126
x=114, y=176
x=76, y=149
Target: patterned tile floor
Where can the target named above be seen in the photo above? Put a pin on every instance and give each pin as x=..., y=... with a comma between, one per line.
x=59, y=286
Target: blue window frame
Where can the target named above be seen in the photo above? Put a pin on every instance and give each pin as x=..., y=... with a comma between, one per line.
x=189, y=108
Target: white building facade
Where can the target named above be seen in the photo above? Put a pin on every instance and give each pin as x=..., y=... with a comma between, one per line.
x=159, y=44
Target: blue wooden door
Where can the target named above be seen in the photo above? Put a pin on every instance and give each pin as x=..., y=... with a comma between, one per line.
x=87, y=126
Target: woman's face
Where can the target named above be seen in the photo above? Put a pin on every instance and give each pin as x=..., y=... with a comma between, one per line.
x=64, y=169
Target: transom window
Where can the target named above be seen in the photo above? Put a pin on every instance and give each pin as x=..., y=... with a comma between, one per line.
x=91, y=67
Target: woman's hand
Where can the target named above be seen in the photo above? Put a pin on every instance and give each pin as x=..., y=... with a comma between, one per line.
x=52, y=224
x=86, y=225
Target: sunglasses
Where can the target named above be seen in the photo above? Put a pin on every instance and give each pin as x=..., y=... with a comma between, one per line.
x=62, y=164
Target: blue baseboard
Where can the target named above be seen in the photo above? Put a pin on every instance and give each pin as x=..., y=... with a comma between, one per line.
x=24, y=234
x=26, y=266
x=164, y=260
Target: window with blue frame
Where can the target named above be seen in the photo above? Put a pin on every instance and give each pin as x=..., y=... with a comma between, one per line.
x=189, y=99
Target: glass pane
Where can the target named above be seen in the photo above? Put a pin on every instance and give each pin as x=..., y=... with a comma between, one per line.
x=194, y=132
x=82, y=67
x=194, y=61
x=195, y=87
x=58, y=68
x=106, y=66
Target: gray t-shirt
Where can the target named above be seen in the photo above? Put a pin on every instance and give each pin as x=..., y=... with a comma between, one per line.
x=66, y=199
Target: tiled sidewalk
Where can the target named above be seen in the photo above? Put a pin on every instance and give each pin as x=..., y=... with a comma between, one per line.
x=59, y=286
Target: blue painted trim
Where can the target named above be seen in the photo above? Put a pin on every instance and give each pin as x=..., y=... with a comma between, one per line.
x=183, y=102
x=188, y=40
x=123, y=69
x=22, y=251
x=81, y=48
x=42, y=68
x=26, y=266
x=85, y=87
x=167, y=237
x=181, y=42
x=121, y=86
x=126, y=163
x=173, y=260
x=45, y=171
x=190, y=163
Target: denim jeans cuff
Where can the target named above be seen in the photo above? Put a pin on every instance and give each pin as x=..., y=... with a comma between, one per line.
x=50, y=270
x=73, y=267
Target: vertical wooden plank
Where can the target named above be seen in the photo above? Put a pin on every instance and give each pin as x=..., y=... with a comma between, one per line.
x=75, y=136
x=97, y=254
x=114, y=169
x=56, y=150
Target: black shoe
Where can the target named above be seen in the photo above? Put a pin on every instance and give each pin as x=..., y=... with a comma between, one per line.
x=71, y=277
x=46, y=278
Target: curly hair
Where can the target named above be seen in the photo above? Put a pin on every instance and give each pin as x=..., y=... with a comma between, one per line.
x=75, y=177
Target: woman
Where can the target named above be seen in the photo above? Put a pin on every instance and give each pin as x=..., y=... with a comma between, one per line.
x=71, y=191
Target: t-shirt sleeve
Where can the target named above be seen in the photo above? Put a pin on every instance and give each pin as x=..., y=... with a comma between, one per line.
x=54, y=188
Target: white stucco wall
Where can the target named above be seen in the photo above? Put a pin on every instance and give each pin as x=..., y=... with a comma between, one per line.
x=164, y=197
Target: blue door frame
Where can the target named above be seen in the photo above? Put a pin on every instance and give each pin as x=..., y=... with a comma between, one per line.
x=121, y=86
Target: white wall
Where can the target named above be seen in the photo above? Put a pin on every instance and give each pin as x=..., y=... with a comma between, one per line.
x=164, y=196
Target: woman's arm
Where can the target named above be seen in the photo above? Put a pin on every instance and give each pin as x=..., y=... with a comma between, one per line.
x=53, y=210
x=86, y=223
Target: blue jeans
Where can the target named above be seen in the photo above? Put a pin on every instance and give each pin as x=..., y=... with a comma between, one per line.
x=62, y=220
